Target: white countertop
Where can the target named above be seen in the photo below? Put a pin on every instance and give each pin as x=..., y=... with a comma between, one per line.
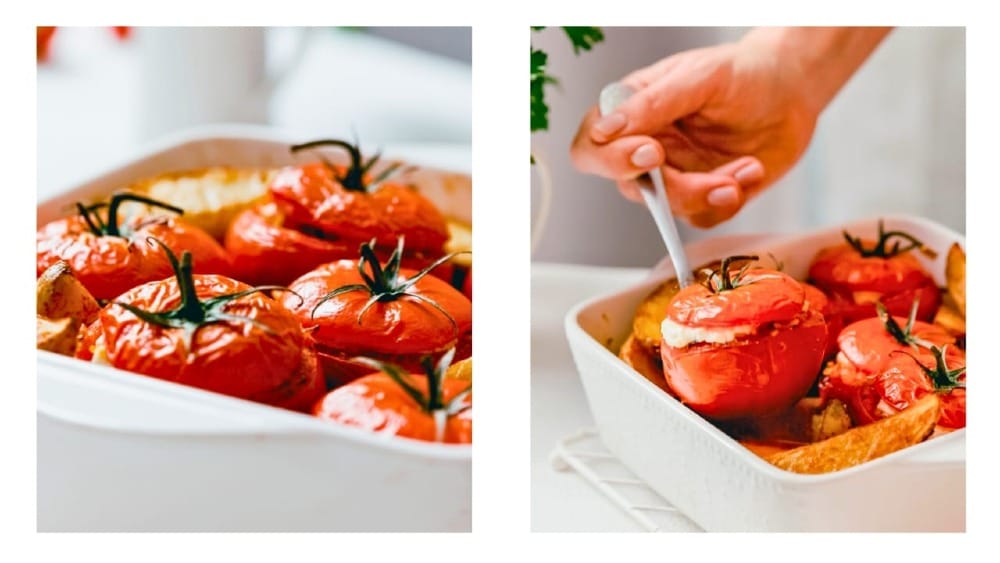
x=562, y=501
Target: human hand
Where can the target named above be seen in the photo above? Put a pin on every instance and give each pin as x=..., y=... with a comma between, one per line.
x=722, y=122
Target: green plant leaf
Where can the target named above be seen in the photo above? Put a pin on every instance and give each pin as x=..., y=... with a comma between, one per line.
x=583, y=38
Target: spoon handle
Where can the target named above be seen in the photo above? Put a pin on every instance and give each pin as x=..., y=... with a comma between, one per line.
x=656, y=198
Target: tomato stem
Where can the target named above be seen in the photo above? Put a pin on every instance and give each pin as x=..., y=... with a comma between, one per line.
x=941, y=377
x=383, y=282
x=433, y=401
x=91, y=214
x=881, y=248
x=192, y=313
x=353, y=179
x=721, y=280
x=903, y=335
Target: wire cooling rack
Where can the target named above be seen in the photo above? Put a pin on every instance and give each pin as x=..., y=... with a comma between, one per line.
x=584, y=453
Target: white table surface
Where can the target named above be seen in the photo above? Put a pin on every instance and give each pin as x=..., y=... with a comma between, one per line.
x=564, y=501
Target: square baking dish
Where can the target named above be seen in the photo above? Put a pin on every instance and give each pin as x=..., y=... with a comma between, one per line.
x=121, y=452
x=717, y=482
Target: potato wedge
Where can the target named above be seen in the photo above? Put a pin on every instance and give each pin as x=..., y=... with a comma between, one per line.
x=644, y=361
x=57, y=335
x=864, y=443
x=954, y=273
x=650, y=314
x=461, y=371
x=652, y=310
x=211, y=197
x=60, y=295
x=949, y=317
x=459, y=240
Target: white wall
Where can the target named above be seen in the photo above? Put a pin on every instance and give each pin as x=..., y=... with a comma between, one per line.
x=892, y=141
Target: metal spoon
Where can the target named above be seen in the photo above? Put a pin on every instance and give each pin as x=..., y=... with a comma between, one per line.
x=612, y=96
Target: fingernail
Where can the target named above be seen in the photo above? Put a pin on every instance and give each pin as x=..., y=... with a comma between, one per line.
x=645, y=156
x=749, y=174
x=610, y=124
x=723, y=197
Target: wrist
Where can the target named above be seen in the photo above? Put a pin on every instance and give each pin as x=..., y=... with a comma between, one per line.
x=820, y=60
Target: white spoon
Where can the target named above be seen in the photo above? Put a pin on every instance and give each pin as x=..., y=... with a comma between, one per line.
x=612, y=96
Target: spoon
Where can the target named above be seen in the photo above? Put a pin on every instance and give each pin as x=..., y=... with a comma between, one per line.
x=612, y=96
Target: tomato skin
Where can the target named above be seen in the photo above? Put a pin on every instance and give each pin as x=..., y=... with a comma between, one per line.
x=467, y=285
x=903, y=383
x=376, y=403
x=834, y=320
x=317, y=200
x=844, y=275
x=237, y=359
x=266, y=250
x=753, y=376
x=108, y=265
x=43, y=38
x=756, y=374
x=400, y=331
x=866, y=351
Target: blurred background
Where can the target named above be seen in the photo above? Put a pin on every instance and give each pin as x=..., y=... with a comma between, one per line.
x=893, y=141
x=103, y=92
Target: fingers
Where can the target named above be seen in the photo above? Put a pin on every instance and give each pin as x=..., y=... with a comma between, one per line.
x=705, y=199
x=621, y=159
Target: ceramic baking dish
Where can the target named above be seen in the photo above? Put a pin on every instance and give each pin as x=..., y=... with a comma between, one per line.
x=121, y=452
x=717, y=482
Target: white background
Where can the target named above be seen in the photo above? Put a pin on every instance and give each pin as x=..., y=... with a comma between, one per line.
x=501, y=145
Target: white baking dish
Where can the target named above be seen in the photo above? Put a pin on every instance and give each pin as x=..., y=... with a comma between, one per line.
x=720, y=484
x=121, y=452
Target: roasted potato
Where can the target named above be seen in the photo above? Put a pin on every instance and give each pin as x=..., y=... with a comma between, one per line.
x=60, y=295
x=864, y=443
x=57, y=335
x=642, y=360
x=211, y=197
x=460, y=370
x=650, y=313
x=954, y=274
x=459, y=240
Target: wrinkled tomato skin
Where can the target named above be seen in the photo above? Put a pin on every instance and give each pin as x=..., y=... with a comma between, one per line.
x=277, y=367
x=903, y=383
x=316, y=199
x=866, y=350
x=266, y=251
x=400, y=331
x=109, y=266
x=377, y=403
x=842, y=273
x=753, y=376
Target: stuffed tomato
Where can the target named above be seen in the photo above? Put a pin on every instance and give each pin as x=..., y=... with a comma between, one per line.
x=424, y=406
x=382, y=311
x=110, y=254
x=858, y=274
x=744, y=344
x=210, y=332
x=320, y=212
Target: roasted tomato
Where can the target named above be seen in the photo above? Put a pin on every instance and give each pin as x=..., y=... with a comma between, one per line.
x=425, y=406
x=909, y=377
x=210, y=332
x=321, y=213
x=866, y=349
x=860, y=273
x=744, y=344
x=110, y=256
x=365, y=308
x=467, y=284
x=834, y=321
